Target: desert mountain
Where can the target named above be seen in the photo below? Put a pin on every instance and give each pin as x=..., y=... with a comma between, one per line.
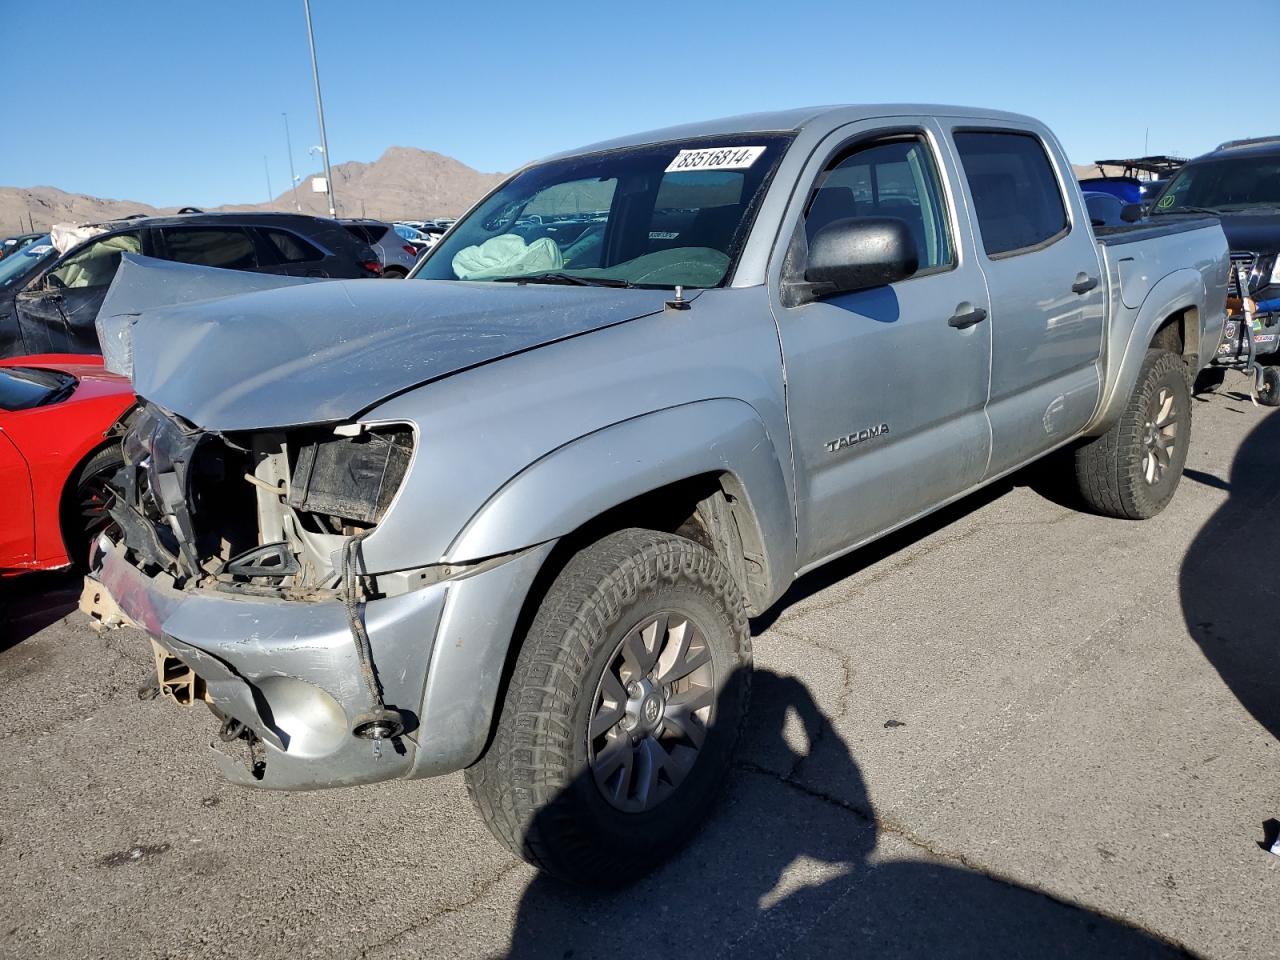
x=404, y=182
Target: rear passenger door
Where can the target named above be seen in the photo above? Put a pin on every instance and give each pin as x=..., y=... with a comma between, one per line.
x=1048, y=310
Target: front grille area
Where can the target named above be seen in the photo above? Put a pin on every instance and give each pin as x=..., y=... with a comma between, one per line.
x=1242, y=261
x=266, y=513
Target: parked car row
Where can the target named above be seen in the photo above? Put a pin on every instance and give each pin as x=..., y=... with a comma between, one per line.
x=49, y=297
x=511, y=516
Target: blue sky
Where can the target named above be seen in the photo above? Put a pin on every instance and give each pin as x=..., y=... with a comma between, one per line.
x=177, y=102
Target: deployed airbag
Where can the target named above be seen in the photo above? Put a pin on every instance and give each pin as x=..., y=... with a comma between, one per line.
x=507, y=256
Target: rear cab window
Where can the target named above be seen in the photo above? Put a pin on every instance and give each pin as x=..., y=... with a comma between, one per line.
x=1016, y=196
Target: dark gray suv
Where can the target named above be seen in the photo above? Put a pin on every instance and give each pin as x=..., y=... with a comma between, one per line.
x=53, y=310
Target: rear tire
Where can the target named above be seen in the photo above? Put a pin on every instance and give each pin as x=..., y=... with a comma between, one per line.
x=394, y=273
x=1132, y=470
x=627, y=698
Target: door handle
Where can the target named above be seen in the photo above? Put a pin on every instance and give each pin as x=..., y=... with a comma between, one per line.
x=967, y=318
x=1084, y=283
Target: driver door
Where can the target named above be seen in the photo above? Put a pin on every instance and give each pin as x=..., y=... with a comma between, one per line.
x=886, y=387
x=57, y=310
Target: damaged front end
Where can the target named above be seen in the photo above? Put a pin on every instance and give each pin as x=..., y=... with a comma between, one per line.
x=267, y=514
x=239, y=553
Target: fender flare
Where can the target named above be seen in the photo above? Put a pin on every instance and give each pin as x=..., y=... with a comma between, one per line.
x=1172, y=294
x=585, y=477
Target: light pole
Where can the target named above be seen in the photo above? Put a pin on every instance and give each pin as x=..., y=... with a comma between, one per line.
x=324, y=140
x=293, y=178
x=267, y=170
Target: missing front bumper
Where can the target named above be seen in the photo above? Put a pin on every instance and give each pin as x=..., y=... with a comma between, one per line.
x=286, y=671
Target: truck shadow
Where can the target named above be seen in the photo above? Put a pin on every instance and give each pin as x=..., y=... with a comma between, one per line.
x=788, y=864
x=1230, y=594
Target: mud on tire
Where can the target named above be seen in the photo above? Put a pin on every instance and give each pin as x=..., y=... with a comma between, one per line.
x=542, y=787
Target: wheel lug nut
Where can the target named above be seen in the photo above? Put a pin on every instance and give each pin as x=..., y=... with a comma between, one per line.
x=633, y=689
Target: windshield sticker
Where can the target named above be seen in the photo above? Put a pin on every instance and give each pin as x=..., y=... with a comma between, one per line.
x=1166, y=201
x=36, y=251
x=715, y=158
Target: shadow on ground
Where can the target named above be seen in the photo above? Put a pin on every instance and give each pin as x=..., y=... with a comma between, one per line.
x=1229, y=588
x=31, y=602
x=786, y=866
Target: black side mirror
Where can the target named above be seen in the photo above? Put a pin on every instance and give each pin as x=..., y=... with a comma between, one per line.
x=858, y=253
x=1131, y=212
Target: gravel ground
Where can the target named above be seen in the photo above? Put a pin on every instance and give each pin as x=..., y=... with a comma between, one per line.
x=1012, y=729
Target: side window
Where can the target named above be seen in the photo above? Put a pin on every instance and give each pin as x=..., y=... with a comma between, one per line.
x=291, y=247
x=1015, y=193
x=895, y=178
x=96, y=264
x=228, y=247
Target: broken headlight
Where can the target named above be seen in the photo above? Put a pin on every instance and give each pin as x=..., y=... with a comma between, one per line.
x=350, y=478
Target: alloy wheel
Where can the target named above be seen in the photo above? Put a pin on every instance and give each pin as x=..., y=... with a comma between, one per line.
x=651, y=712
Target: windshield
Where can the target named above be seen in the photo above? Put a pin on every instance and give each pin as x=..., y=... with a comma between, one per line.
x=16, y=266
x=655, y=216
x=1242, y=183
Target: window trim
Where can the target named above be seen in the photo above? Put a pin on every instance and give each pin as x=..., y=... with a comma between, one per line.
x=871, y=138
x=1053, y=168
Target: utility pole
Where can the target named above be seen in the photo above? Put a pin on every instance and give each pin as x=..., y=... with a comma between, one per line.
x=293, y=178
x=324, y=140
x=267, y=170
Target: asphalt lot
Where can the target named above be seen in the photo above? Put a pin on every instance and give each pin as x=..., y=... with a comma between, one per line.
x=1013, y=729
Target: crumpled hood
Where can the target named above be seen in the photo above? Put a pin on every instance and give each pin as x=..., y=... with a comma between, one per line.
x=324, y=352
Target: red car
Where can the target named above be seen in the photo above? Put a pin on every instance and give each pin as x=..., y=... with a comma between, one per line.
x=55, y=457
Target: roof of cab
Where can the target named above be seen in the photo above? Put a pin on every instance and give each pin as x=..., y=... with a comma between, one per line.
x=793, y=121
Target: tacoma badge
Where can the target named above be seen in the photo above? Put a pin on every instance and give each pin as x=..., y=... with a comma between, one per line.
x=848, y=441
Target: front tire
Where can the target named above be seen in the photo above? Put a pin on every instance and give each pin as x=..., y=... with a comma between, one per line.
x=1132, y=470
x=85, y=501
x=623, y=709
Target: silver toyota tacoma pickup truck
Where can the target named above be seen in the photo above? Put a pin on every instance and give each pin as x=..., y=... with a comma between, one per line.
x=512, y=516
